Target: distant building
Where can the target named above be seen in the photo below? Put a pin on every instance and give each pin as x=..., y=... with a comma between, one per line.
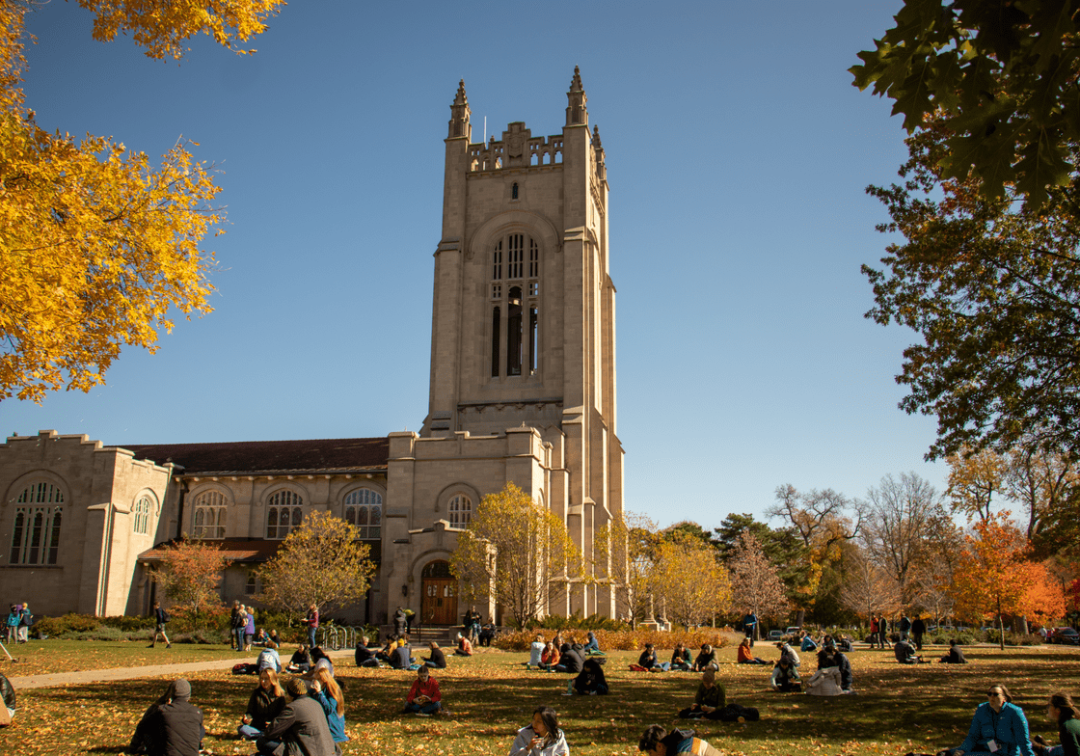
x=522, y=389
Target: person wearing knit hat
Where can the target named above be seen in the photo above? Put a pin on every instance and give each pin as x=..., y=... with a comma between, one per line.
x=171, y=726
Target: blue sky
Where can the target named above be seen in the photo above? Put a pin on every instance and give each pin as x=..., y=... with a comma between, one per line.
x=737, y=153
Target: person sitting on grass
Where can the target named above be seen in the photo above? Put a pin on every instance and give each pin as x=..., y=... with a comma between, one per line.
x=300, y=728
x=647, y=661
x=1062, y=711
x=789, y=653
x=387, y=650
x=171, y=726
x=591, y=680
x=7, y=702
x=268, y=659
x=320, y=659
x=905, y=653
x=680, y=658
x=300, y=660
x=260, y=638
x=833, y=658
x=955, y=655
x=536, y=649
x=401, y=657
x=365, y=657
x=998, y=727
x=327, y=692
x=424, y=698
x=592, y=645
x=464, y=646
x=541, y=738
x=785, y=677
x=549, y=658
x=746, y=656
x=570, y=660
x=437, y=660
x=266, y=702
x=656, y=741
x=807, y=643
x=710, y=699
x=706, y=658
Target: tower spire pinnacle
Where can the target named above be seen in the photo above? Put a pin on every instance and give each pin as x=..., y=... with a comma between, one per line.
x=576, y=114
x=459, y=115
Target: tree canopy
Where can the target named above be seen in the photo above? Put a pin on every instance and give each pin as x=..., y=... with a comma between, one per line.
x=322, y=562
x=190, y=573
x=1002, y=78
x=96, y=244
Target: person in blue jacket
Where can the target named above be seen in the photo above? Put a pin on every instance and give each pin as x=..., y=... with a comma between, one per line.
x=999, y=727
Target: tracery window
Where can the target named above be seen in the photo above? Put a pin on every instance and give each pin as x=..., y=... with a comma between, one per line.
x=460, y=511
x=515, y=317
x=143, y=507
x=209, y=517
x=35, y=537
x=284, y=513
x=363, y=508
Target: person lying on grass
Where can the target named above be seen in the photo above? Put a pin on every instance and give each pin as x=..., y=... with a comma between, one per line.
x=424, y=698
x=541, y=738
x=710, y=699
x=171, y=725
x=657, y=741
x=266, y=702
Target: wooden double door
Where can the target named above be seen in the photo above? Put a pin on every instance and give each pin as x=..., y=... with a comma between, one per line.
x=439, y=606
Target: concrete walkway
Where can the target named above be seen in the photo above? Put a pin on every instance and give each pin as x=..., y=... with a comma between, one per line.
x=133, y=673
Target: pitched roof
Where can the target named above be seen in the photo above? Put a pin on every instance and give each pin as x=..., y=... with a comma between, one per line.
x=314, y=455
x=237, y=550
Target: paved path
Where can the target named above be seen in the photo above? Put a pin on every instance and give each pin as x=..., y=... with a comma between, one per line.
x=132, y=673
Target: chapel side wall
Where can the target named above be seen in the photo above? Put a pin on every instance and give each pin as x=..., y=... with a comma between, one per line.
x=71, y=463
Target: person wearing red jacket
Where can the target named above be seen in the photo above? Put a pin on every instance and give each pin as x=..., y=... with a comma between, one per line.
x=424, y=698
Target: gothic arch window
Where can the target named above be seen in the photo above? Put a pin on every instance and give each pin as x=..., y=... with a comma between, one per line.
x=284, y=513
x=514, y=191
x=35, y=537
x=515, y=317
x=460, y=509
x=143, y=507
x=209, y=515
x=363, y=508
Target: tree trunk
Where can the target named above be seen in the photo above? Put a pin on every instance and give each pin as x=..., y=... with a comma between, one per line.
x=1001, y=625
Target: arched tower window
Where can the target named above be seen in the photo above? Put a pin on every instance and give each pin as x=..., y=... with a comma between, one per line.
x=35, y=537
x=515, y=317
x=363, y=508
x=460, y=509
x=143, y=507
x=209, y=518
x=284, y=513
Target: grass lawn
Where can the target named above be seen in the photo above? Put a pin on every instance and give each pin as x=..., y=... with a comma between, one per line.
x=897, y=709
x=49, y=656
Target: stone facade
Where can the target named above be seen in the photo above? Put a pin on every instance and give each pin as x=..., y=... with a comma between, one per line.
x=522, y=390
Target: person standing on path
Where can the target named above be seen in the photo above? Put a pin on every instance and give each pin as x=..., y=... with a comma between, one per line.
x=26, y=619
x=160, y=618
x=312, y=622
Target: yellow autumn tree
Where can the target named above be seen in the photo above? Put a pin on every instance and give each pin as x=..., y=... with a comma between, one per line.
x=518, y=552
x=689, y=582
x=624, y=551
x=96, y=244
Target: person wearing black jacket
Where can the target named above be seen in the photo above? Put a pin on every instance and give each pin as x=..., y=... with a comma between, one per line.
x=437, y=659
x=365, y=657
x=591, y=680
x=171, y=726
x=955, y=655
x=918, y=630
x=833, y=658
x=570, y=660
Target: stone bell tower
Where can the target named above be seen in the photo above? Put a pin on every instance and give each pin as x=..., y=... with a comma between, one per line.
x=523, y=317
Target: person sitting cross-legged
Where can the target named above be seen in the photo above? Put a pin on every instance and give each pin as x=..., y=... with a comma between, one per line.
x=266, y=702
x=437, y=660
x=955, y=655
x=710, y=699
x=364, y=656
x=424, y=698
x=171, y=726
x=300, y=728
x=680, y=658
x=785, y=677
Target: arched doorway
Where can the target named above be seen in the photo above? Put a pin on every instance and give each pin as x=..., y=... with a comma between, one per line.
x=439, y=606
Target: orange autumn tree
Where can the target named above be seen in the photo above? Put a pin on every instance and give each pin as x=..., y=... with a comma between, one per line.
x=190, y=573
x=97, y=244
x=995, y=577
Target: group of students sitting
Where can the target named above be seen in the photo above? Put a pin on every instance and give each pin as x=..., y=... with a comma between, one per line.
x=680, y=660
x=397, y=654
x=833, y=676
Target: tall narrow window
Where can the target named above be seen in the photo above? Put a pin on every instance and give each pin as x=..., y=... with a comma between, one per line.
x=143, y=507
x=514, y=191
x=496, y=322
x=35, y=537
x=534, y=337
x=515, y=255
x=363, y=508
x=496, y=262
x=513, y=333
x=534, y=259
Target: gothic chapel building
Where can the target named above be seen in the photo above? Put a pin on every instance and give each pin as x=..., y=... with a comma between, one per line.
x=522, y=390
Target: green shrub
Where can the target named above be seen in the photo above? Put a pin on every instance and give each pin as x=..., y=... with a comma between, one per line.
x=128, y=623
x=214, y=617
x=54, y=627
